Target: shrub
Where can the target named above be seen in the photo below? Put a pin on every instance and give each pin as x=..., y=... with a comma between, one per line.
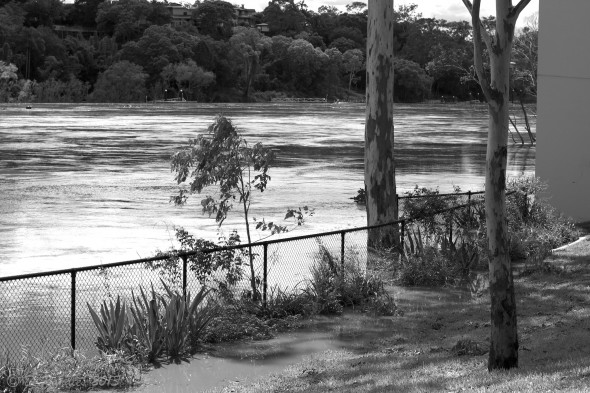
x=429, y=268
x=333, y=286
x=235, y=324
x=535, y=227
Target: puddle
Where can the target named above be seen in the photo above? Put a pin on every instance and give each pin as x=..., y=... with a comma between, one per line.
x=241, y=363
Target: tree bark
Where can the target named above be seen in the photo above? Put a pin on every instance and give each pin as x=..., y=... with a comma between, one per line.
x=504, y=339
x=379, y=156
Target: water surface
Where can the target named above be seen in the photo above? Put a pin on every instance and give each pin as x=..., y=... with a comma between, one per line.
x=90, y=184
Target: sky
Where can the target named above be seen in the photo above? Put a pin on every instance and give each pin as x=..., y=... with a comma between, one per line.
x=441, y=9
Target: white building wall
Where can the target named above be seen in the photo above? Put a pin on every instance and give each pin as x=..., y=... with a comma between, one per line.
x=563, y=122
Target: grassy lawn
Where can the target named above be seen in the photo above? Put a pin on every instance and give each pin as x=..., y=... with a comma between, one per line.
x=440, y=342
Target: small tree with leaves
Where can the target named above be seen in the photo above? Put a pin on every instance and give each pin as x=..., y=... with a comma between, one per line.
x=222, y=157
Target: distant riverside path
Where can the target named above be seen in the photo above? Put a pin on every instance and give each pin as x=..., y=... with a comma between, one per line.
x=90, y=184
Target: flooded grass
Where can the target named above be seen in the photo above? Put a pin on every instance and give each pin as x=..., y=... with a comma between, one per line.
x=438, y=345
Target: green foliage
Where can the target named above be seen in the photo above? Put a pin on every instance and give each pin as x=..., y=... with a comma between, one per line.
x=334, y=285
x=148, y=326
x=411, y=83
x=111, y=324
x=431, y=257
x=215, y=18
x=431, y=55
x=66, y=370
x=429, y=268
x=324, y=284
x=225, y=268
x=535, y=227
x=121, y=82
x=180, y=315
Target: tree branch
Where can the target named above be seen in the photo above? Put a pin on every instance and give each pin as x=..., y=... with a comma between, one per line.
x=517, y=9
x=477, y=48
x=484, y=33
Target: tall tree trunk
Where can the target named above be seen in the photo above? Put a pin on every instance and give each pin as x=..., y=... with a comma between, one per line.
x=504, y=339
x=379, y=158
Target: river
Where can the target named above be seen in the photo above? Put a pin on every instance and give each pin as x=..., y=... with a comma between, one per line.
x=89, y=184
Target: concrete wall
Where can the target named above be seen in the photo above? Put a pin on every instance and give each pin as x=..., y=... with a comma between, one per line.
x=563, y=122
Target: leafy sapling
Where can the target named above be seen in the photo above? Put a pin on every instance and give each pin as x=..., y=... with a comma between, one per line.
x=222, y=157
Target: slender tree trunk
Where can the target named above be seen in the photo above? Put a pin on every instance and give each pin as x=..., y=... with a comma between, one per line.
x=379, y=157
x=526, y=122
x=516, y=129
x=504, y=339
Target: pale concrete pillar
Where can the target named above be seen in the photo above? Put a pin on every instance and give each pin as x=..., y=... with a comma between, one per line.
x=563, y=122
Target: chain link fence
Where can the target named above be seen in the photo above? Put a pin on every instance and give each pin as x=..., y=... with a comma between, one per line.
x=50, y=310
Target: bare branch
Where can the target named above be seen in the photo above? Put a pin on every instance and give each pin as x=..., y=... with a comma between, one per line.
x=478, y=52
x=517, y=9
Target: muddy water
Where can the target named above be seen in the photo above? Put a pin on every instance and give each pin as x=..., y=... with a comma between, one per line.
x=233, y=365
x=90, y=184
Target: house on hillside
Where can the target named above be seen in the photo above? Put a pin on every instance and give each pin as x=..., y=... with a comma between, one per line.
x=244, y=16
x=181, y=15
x=563, y=133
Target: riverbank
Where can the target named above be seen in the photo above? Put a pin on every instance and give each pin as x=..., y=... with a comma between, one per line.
x=438, y=344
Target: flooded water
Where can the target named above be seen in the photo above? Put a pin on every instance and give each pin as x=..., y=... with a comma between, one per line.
x=89, y=184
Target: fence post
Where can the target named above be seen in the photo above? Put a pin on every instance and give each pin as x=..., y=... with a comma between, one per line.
x=397, y=203
x=342, y=249
x=451, y=226
x=73, y=311
x=402, y=236
x=469, y=197
x=265, y=275
x=184, y=263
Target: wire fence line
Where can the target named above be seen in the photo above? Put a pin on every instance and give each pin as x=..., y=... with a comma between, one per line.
x=49, y=310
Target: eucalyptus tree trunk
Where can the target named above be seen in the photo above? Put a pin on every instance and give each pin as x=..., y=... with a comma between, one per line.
x=504, y=339
x=379, y=157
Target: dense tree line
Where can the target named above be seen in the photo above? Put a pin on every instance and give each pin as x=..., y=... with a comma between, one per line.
x=137, y=53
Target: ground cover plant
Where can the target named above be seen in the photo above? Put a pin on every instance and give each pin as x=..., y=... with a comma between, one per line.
x=66, y=370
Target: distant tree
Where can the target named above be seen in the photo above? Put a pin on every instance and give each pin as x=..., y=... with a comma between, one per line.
x=526, y=57
x=84, y=12
x=248, y=44
x=158, y=47
x=43, y=12
x=344, y=44
x=284, y=17
x=306, y=66
x=53, y=90
x=328, y=9
x=334, y=70
x=411, y=83
x=353, y=61
x=126, y=20
x=356, y=6
x=188, y=76
x=215, y=18
x=121, y=82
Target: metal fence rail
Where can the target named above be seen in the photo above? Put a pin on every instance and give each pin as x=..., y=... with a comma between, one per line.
x=49, y=310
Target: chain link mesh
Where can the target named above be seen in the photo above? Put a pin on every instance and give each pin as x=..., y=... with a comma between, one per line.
x=36, y=311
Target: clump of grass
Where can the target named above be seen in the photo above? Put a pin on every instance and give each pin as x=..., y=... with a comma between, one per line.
x=66, y=370
x=334, y=286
